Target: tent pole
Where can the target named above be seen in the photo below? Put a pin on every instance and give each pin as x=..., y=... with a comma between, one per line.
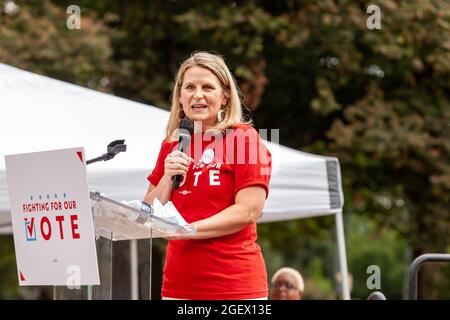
x=342, y=255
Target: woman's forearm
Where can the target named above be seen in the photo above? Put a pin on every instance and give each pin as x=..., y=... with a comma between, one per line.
x=162, y=191
x=246, y=210
x=228, y=221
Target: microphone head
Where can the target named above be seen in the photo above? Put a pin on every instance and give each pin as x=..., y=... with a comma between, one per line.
x=187, y=124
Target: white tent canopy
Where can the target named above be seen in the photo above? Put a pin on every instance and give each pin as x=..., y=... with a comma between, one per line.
x=39, y=113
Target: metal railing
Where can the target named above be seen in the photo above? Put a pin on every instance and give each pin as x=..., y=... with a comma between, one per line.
x=415, y=268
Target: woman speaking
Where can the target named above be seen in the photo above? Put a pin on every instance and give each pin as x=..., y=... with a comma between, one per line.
x=225, y=177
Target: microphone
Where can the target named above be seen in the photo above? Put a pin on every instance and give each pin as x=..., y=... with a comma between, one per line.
x=185, y=132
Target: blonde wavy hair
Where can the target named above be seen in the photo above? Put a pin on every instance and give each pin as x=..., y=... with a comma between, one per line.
x=232, y=110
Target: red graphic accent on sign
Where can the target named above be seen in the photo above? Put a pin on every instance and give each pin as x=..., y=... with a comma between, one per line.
x=80, y=155
x=22, y=278
x=30, y=227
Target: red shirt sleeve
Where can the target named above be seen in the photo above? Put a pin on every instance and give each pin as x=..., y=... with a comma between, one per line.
x=158, y=170
x=253, y=161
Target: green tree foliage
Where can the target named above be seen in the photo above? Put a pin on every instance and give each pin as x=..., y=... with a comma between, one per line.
x=386, y=249
x=35, y=37
x=392, y=138
x=8, y=269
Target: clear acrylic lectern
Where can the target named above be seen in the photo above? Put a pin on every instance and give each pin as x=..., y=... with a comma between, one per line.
x=114, y=221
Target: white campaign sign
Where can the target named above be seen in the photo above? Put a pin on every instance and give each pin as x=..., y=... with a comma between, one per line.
x=51, y=217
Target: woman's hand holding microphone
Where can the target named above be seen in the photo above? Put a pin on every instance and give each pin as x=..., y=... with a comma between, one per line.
x=176, y=163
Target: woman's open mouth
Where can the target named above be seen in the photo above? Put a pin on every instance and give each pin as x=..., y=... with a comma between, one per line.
x=199, y=106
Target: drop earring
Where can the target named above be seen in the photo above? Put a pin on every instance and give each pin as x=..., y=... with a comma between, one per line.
x=220, y=115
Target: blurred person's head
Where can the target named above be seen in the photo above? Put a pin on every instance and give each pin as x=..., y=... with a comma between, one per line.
x=287, y=284
x=206, y=91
